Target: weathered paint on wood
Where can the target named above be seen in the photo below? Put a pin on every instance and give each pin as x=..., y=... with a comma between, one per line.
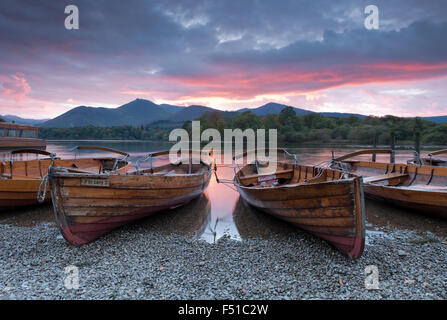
x=325, y=202
x=421, y=188
x=85, y=212
x=20, y=180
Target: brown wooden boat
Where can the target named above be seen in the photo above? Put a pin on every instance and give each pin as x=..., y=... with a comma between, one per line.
x=20, y=180
x=88, y=205
x=432, y=160
x=17, y=136
x=325, y=202
x=418, y=187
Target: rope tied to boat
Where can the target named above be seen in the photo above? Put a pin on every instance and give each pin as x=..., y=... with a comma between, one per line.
x=225, y=182
x=41, y=196
x=219, y=180
x=44, y=184
x=338, y=165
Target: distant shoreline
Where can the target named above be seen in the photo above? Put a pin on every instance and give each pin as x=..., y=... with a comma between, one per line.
x=109, y=140
x=344, y=144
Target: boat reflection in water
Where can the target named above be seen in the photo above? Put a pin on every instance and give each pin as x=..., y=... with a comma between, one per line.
x=231, y=217
x=223, y=198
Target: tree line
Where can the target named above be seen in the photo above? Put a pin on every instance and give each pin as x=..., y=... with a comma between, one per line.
x=292, y=128
x=105, y=133
x=314, y=127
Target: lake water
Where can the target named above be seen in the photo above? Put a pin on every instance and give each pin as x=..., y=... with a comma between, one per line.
x=220, y=211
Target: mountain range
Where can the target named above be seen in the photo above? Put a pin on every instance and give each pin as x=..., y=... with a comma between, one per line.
x=436, y=119
x=133, y=113
x=33, y=122
x=276, y=108
x=142, y=112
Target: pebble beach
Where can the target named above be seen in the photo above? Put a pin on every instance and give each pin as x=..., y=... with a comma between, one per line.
x=163, y=257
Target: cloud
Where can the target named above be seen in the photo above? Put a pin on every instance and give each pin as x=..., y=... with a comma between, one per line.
x=229, y=52
x=415, y=98
x=351, y=58
x=14, y=87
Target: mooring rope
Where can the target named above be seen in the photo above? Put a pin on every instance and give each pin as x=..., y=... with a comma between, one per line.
x=225, y=182
x=42, y=195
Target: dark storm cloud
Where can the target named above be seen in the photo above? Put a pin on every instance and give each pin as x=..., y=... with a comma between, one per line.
x=421, y=42
x=108, y=32
x=181, y=36
x=286, y=21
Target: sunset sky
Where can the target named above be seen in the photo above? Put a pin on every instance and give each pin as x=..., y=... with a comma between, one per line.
x=227, y=55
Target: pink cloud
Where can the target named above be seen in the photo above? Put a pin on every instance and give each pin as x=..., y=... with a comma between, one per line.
x=14, y=86
x=246, y=83
x=232, y=88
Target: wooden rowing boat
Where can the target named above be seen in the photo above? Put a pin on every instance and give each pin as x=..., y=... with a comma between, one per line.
x=20, y=179
x=432, y=160
x=88, y=205
x=325, y=202
x=418, y=187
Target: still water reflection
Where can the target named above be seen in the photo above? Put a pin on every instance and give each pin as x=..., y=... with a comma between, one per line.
x=220, y=211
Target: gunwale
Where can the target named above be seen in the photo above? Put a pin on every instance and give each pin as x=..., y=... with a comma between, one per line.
x=325, y=202
x=420, y=188
x=85, y=213
x=20, y=179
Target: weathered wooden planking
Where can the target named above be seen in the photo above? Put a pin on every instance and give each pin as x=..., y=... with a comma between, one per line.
x=256, y=177
x=388, y=177
x=122, y=193
x=20, y=180
x=321, y=201
x=86, y=211
x=301, y=191
x=10, y=143
x=322, y=223
x=421, y=188
x=306, y=203
x=135, y=181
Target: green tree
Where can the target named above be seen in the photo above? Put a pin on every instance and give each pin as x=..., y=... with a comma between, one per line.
x=270, y=121
x=287, y=116
x=247, y=120
x=312, y=120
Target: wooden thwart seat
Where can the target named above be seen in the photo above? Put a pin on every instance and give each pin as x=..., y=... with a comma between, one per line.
x=394, y=177
x=254, y=178
x=421, y=187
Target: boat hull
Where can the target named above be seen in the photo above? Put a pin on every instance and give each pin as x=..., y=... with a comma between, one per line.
x=16, y=194
x=333, y=211
x=434, y=162
x=421, y=189
x=87, y=212
x=20, y=180
x=22, y=143
x=424, y=202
